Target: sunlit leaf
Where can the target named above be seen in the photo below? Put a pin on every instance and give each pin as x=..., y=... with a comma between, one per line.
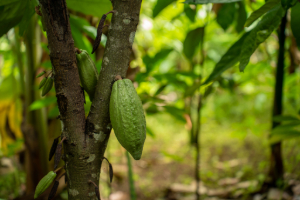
x=190, y=13
x=38, y=104
x=229, y=59
x=90, y=7
x=260, y=33
x=150, y=62
x=192, y=42
x=150, y=132
x=295, y=22
x=160, y=89
x=160, y=5
x=261, y=11
x=209, y=1
x=9, y=88
x=226, y=14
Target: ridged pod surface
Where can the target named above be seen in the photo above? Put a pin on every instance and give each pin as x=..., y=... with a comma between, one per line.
x=44, y=183
x=88, y=73
x=127, y=117
x=48, y=86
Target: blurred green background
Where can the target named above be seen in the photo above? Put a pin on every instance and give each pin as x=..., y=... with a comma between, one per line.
x=176, y=47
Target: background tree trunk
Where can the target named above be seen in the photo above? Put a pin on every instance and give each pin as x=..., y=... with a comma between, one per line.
x=276, y=163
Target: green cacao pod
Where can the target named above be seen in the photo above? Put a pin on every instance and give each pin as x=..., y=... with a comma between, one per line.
x=127, y=117
x=44, y=183
x=41, y=74
x=48, y=86
x=42, y=83
x=87, y=72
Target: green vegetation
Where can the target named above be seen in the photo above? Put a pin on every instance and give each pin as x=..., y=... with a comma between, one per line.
x=219, y=82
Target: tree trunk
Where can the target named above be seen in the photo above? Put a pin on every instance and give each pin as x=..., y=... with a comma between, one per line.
x=276, y=166
x=87, y=139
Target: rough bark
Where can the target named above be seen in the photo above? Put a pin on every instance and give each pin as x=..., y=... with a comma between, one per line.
x=87, y=139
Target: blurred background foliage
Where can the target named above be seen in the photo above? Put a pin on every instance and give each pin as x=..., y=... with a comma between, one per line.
x=177, y=47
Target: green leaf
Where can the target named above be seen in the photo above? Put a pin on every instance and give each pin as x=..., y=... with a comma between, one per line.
x=260, y=33
x=226, y=14
x=176, y=112
x=29, y=12
x=160, y=5
x=90, y=7
x=160, y=90
x=38, y=104
x=286, y=4
x=190, y=13
x=295, y=22
x=83, y=26
x=150, y=62
x=80, y=40
x=11, y=14
x=241, y=17
x=191, y=90
x=209, y=1
x=5, y=2
x=9, y=88
x=229, y=59
x=192, y=41
x=150, y=132
x=277, y=136
x=261, y=11
x=285, y=118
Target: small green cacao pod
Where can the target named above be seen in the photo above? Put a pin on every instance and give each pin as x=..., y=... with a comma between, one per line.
x=48, y=86
x=42, y=83
x=41, y=74
x=87, y=72
x=44, y=183
x=127, y=117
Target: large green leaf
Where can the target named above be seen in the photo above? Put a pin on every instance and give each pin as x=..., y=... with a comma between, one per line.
x=190, y=13
x=241, y=17
x=150, y=62
x=285, y=118
x=209, y=1
x=261, y=11
x=226, y=15
x=5, y=2
x=160, y=5
x=295, y=22
x=229, y=59
x=175, y=112
x=38, y=104
x=9, y=88
x=279, y=135
x=192, y=41
x=11, y=14
x=286, y=4
x=260, y=33
x=29, y=12
x=83, y=26
x=90, y=7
